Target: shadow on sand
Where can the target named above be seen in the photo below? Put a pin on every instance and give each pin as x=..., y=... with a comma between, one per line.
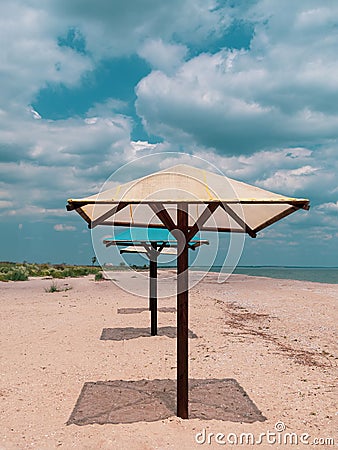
x=140, y=310
x=120, y=401
x=126, y=333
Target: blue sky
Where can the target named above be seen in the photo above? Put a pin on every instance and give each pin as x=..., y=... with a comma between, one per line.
x=250, y=86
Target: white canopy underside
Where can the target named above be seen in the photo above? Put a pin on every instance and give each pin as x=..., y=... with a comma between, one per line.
x=140, y=249
x=142, y=215
x=245, y=205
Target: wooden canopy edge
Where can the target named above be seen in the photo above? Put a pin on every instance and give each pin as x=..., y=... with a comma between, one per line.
x=75, y=205
x=280, y=216
x=305, y=205
x=158, y=207
x=300, y=202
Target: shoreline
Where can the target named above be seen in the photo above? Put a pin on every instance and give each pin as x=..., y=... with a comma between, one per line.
x=21, y=271
x=245, y=270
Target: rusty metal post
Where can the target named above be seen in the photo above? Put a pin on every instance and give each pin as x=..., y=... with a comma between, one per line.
x=153, y=289
x=182, y=311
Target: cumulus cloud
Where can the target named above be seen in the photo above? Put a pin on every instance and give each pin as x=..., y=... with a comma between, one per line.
x=289, y=180
x=280, y=91
x=117, y=28
x=30, y=55
x=73, y=141
x=265, y=114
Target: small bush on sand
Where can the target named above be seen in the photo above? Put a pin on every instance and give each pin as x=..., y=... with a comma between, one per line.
x=53, y=288
x=99, y=276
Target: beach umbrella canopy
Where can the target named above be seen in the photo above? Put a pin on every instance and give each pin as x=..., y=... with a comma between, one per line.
x=244, y=208
x=186, y=200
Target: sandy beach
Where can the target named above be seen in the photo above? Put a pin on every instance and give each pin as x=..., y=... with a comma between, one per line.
x=66, y=356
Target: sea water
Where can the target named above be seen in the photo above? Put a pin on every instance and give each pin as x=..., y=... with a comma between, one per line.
x=317, y=274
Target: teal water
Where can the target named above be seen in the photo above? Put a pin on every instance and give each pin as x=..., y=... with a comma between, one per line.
x=317, y=274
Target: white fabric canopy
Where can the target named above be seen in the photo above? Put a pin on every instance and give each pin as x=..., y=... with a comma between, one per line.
x=241, y=207
x=140, y=249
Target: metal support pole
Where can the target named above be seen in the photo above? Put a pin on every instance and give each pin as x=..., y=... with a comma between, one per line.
x=153, y=290
x=182, y=312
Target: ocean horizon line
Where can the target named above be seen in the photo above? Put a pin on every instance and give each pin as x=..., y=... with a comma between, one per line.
x=273, y=266
x=164, y=266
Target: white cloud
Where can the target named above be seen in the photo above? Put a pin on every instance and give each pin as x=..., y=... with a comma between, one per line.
x=117, y=28
x=30, y=55
x=163, y=56
x=281, y=91
x=84, y=143
x=331, y=207
x=61, y=227
x=270, y=111
x=34, y=212
x=298, y=172
x=5, y=204
x=142, y=145
x=107, y=108
x=289, y=180
x=252, y=167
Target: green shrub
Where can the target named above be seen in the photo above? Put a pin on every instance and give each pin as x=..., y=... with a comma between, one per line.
x=99, y=276
x=53, y=288
x=55, y=273
x=19, y=273
x=44, y=273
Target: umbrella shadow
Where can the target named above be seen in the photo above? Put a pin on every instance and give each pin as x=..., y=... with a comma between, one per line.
x=140, y=310
x=119, y=401
x=127, y=333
